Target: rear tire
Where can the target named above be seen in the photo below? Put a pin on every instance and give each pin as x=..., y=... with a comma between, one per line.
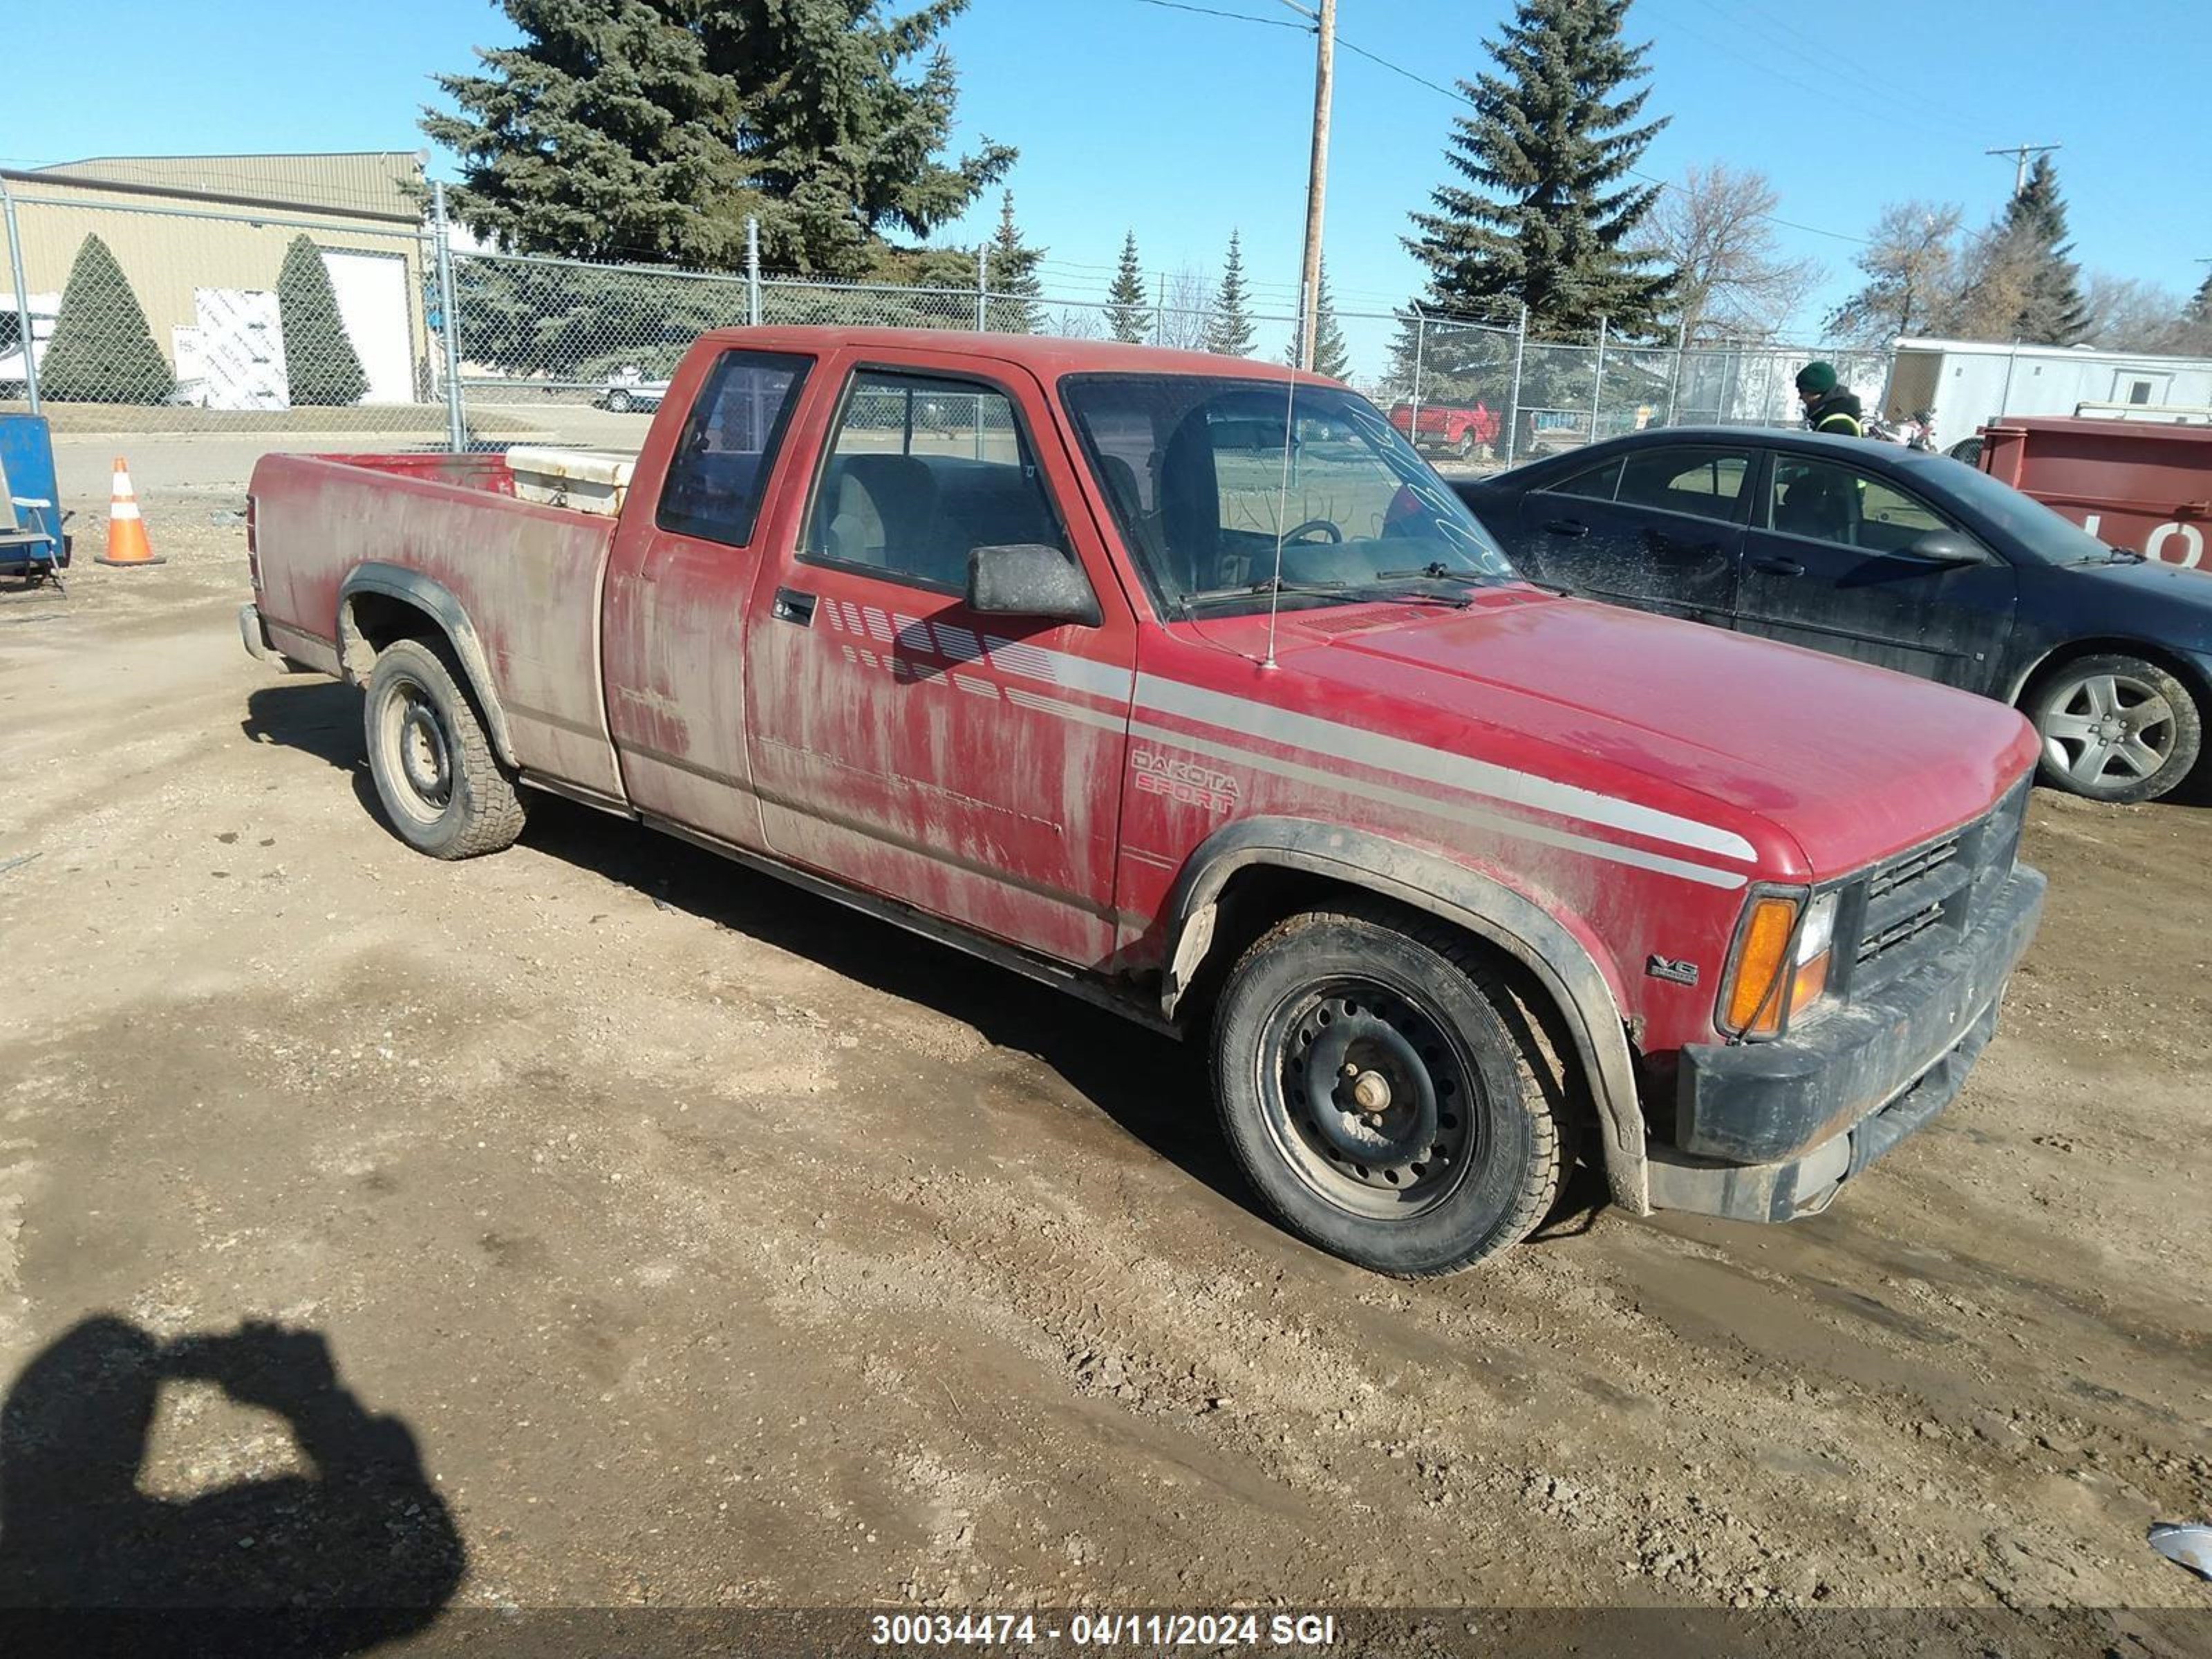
x=1454, y=1155
x=1968, y=450
x=618, y=402
x=443, y=789
x=2116, y=728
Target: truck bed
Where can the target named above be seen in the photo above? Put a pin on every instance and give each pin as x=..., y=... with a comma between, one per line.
x=526, y=577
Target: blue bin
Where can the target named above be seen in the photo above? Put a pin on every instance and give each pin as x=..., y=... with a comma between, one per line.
x=32, y=543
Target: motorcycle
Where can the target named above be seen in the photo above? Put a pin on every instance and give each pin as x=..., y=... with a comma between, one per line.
x=1918, y=431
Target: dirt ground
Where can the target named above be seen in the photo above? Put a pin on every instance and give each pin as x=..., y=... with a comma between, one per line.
x=721, y=1249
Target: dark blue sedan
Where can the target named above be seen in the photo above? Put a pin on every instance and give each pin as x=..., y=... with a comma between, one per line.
x=1912, y=561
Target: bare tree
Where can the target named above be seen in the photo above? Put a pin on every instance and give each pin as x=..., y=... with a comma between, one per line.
x=1914, y=273
x=1186, y=310
x=1715, y=231
x=2129, y=314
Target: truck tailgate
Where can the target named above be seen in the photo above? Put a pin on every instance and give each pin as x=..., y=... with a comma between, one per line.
x=527, y=577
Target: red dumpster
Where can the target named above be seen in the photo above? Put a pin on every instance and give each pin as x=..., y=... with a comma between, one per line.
x=2129, y=484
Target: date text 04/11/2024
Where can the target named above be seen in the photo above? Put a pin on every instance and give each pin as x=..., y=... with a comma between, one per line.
x=1150, y=1629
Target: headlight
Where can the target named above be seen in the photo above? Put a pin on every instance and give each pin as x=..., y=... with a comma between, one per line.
x=1780, y=965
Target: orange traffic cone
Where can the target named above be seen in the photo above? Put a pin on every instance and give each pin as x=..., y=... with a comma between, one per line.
x=126, y=530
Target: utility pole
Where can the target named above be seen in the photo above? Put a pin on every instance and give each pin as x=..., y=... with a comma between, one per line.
x=2019, y=153
x=1316, y=178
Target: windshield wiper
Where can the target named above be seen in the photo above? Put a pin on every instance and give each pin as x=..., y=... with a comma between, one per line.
x=1442, y=573
x=1357, y=593
x=1259, y=589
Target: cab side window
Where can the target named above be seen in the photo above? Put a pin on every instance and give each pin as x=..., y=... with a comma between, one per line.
x=922, y=470
x=727, y=449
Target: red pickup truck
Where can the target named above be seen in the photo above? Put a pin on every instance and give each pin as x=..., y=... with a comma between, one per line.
x=1458, y=429
x=1182, y=682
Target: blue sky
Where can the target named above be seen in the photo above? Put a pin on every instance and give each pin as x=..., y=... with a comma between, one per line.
x=1182, y=125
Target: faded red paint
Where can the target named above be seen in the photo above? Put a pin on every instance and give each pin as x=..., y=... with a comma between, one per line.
x=2129, y=483
x=1046, y=785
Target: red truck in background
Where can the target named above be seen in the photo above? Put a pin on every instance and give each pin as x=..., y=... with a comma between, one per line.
x=1183, y=683
x=2134, y=484
x=1467, y=431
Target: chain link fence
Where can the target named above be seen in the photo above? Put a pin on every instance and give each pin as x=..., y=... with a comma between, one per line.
x=136, y=315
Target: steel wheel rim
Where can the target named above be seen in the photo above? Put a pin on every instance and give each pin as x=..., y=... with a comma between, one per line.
x=2109, y=728
x=1319, y=1047
x=420, y=756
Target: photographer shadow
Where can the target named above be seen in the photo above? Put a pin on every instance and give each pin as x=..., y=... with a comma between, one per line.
x=359, y=1553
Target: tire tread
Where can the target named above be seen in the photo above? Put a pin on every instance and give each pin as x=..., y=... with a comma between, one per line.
x=1551, y=1125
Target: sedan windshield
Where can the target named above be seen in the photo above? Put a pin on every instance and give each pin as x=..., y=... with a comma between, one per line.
x=1213, y=481
x=2030, y=526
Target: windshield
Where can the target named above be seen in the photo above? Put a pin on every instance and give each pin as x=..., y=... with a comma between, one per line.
x=2034, y=527
x=1197, y=472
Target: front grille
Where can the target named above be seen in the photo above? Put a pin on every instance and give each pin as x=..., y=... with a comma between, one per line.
x=1907, y=907
x=1911, y=864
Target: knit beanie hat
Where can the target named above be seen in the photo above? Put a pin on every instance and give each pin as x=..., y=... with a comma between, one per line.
x=1817, y=377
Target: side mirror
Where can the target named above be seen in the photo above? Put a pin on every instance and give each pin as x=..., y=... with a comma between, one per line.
x=1028, y=579
x=1948, y=547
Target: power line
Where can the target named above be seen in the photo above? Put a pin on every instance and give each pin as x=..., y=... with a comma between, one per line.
x=1634, y=173
x=1210, y=11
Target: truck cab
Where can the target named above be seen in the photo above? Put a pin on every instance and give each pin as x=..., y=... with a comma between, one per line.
x=1184, y=683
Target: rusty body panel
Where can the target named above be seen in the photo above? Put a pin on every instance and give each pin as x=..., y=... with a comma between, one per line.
x=527, y=577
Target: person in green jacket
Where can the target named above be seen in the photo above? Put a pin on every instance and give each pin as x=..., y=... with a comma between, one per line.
x=1828, y=406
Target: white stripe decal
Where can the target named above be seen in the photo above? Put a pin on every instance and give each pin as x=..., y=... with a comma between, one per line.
x=1515, y=828
x=1241, y=716
x=1044, y=703
x=1099, y=680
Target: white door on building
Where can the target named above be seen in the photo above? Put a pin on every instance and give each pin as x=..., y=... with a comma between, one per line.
x=372, y=290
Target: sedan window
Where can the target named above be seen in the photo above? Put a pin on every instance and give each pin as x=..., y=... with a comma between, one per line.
x=1705, y=483
x=1830, y=503
x=1595, y=485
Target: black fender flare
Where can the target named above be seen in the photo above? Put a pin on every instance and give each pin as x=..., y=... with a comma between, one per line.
x=358, y=657
x=1428, y=881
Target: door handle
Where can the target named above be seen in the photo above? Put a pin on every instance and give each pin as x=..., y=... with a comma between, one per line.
x=1568, y=527
x=1779, y=567
x=792, y=606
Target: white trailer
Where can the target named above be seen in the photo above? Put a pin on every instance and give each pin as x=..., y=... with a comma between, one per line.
x=1969, y=383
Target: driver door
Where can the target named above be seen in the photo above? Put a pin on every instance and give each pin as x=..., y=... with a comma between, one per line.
x=968, y=765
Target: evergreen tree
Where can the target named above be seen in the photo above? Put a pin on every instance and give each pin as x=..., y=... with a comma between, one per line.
x=320, y=363
x=1229, y=332
x=649, y=130
x=1011, y=273
x=1127, y=315
x=101, y=351
x=2032, y=241
x=1331, y=355
x=1545, y=217
x=2198, y=311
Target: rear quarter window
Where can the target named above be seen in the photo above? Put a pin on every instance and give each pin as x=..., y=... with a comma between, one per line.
x=727, y=449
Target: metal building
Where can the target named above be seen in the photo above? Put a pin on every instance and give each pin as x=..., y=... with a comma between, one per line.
x=183, y=226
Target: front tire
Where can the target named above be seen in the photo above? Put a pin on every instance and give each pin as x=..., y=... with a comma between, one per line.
x=1385, y=1092
x=618, y=402
x=2116, y=728
x=442, y=788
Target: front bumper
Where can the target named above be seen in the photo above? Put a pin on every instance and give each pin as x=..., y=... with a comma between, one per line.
x=1766, y=1132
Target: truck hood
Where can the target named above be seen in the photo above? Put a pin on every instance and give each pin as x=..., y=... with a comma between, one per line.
x=1839, y=763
